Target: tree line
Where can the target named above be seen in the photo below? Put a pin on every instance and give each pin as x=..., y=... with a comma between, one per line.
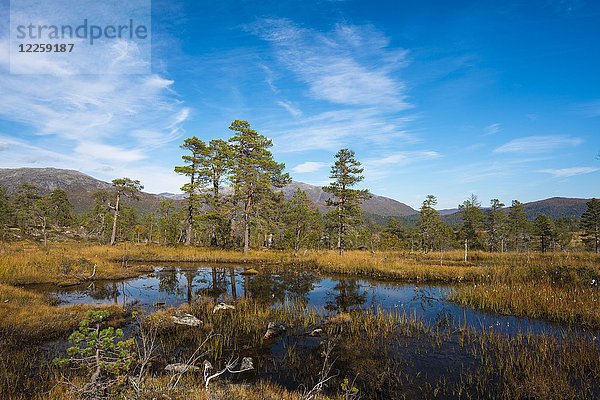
x=233, y=200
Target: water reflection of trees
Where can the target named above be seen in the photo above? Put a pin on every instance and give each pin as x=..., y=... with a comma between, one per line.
x=168, y=281
x=270, y=288
x=346, y=295
x=217, y=284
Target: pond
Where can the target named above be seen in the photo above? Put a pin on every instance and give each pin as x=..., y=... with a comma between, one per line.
x=409, y=362
x=172, y=286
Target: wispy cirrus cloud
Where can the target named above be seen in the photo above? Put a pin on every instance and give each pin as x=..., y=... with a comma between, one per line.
x=568, y=172
x=402, y=158
x=309, y=166
x=353, y=74
x=492, y=129
x=338, y=66
x=289, y=107
x=538, y=144
x=92, y=121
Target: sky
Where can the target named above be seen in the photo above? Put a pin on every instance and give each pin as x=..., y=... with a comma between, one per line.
x=500, y=99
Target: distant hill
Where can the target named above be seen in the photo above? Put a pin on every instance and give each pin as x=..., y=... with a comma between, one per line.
x=80, y=188
x=376, y=205
x=554, y=207
x=557, y=207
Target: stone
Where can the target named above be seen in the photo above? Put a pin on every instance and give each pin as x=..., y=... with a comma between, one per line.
x=274, y=329
x=247, y=363
x=180, y=368
x=186, y=319
x=223, y=306
x=315, y=332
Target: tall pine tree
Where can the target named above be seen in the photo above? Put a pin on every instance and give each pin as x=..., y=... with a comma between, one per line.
x=590, y=225
x=194, y=161
x=254, y=171
x=346, y=173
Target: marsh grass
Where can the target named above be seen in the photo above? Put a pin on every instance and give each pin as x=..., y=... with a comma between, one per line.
x=27, y=262
x=28, y=317
x=396, y=355
x=573, y=305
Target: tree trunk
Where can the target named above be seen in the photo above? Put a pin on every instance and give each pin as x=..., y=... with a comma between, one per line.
x=113, y=237
x=246, y=223
x=190, y=222
x=466, y=249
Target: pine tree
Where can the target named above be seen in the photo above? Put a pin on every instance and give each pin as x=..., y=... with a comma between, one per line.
x=254, y=171
x=302, y=219
x=23, y=206
x=215, y=169
x=544, y=229
x=494, y=224
x=590, y=225
x=124, y=187
x=193, y=161
x=346, y=173
x=60, y=208
x=472, y=216
x=518, y=226
x=429, y=223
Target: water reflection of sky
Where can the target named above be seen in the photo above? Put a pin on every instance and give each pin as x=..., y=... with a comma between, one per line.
x=174, y=286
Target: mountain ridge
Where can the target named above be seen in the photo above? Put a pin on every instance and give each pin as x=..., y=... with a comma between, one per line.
x=80, y=188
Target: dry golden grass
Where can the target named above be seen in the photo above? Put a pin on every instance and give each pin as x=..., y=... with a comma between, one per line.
x=190, y=389
x=27, y=316
x=22, y=263
x=572, y=304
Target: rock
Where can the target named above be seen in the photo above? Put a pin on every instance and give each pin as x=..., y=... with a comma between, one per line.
x=180, y=368
x=274, y=329
x=250, y=271
x=247, y=363
x=186, y=319
x=315, y=332
x=223, y=306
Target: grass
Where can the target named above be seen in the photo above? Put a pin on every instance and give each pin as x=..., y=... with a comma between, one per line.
x=22, y=263
x=383, y=354
x=29, y=317
x=572, y=305
x=554, y=286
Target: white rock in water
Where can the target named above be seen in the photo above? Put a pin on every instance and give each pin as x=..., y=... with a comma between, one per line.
x=223, y=306
x=186, y=319
x=180, y=368
x=274, y=329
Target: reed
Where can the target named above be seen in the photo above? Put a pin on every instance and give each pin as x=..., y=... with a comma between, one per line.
x=572, y=304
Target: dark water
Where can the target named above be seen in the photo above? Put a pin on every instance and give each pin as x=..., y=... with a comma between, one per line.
x=409, y=366
x=169, y=286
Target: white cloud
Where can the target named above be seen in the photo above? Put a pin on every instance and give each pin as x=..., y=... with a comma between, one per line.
x=567, y=172
x=402, y=158
x=309, y=166
x=106, y=152
x=538, y=144
x=331, y=130
x=492, y=129
x=90, y=121
x=338, y=66
x=295, y=111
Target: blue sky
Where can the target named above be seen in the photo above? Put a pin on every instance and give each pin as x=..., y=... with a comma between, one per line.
x=500, y=99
